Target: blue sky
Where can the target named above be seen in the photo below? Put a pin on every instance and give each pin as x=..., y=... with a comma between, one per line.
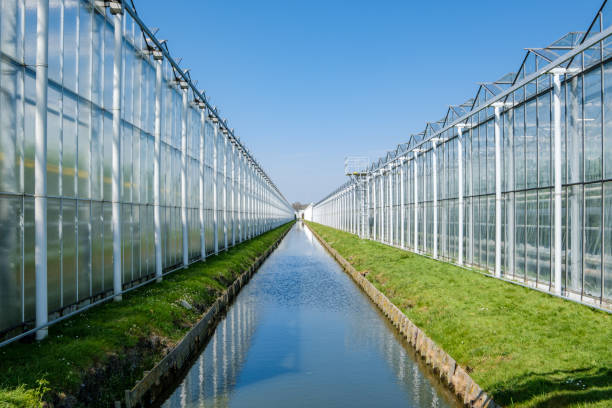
x=306, y=83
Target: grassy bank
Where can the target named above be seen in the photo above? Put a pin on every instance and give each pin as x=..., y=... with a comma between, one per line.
x=526, y=348
x=90, y=359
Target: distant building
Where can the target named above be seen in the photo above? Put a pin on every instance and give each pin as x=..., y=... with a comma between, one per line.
x=306, y=213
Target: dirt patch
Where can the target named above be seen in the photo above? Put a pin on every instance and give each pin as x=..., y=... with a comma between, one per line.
x=119, y=371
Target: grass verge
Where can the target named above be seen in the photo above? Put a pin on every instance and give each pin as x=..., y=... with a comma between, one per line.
x=90, y=359
x=525, y=348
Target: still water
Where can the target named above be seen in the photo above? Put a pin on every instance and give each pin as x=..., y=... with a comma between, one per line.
x=302, y=334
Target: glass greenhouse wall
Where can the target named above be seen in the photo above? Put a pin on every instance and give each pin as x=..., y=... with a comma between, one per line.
x=516, y=182
x=118, y=149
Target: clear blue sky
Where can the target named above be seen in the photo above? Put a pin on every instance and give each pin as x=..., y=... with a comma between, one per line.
x=306, y=83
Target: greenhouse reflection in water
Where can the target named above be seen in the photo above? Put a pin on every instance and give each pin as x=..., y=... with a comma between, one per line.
x=301, y=333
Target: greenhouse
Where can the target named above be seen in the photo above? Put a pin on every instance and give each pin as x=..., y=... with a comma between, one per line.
x=515, y=182
x=114, y=169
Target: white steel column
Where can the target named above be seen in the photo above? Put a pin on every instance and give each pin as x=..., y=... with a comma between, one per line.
x=390, y=199
x=460, y=194
x=184, y=181
x=239, y=209
x=470, y=222
x=40, y=166
x=250, y=199
x=434, y=183
x=233, y=194
x=498, y=196
x=366, y=198
x=224, y=189
x=374, y=208
x=416, y=203
x=201, y=184
x=357, y=207
x=402, y=204
x=382, y=206
x=215, y=180
x=557, y=180
x=156, y=172
x=116, y=158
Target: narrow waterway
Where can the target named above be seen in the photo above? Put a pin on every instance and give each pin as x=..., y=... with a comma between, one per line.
x=301, y=333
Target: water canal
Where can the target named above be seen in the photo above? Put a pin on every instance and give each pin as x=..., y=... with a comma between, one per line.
x=301, y=333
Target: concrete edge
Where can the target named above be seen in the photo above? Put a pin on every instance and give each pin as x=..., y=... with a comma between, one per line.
x=451, y=374
x=150, y=386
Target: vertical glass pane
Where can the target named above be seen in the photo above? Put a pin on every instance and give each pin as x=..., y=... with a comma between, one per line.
x=11, y=215
x=544, y=236
x=29, y=268
x=10, y=157
x=519, y=270
x=519, y=147
x=592, y=239
x=607, y=242
x=54, y=254
x=574, y=129
x=69, y=143
x=97, y=248
x=544, y=141
x=84, y=145
x=69, y=248
x=574, y=245
x=531, y=147
x=592, y=125
x=531, y=237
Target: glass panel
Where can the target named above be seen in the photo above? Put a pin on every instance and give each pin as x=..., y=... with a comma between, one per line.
x=54, y=254
x=607, y=293
x=574, y=245
x=531, y=147
x=607, y=141
x=574, y=130
x=592, y=239
x=69, y=249
x=519, y=147
x=592, y=125
x=11, y=261
x=10, y=157
x=519, y=270
x=531, y=237
x=544, y=141
x=544, y=236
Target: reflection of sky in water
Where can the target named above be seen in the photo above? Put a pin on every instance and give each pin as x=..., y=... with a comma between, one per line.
x=302, y=334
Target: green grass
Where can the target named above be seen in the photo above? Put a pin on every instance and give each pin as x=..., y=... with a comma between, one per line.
x=525, y=348
x=93, y=357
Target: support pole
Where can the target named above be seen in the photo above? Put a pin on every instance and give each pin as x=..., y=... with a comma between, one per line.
x=382, y=206
x=374, y=208
x=225, y=190
x=498, y=196
x=40, y=166
x=435, y=196
x=233, y=194
x=402, y=204
x=116, y=158
x=460, y=193
x=416, y=204
x=201, y=183
x=156, y=172
x=557, y=180
x=215, y=181
x=184, y=181
x=366, y=197
x=240, y=188
x=390, y=199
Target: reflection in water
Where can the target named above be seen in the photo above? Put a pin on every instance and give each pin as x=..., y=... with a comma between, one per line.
x=302, y=334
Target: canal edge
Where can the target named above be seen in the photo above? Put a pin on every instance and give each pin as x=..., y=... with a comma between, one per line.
x=451, y=374
x=146, y=390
